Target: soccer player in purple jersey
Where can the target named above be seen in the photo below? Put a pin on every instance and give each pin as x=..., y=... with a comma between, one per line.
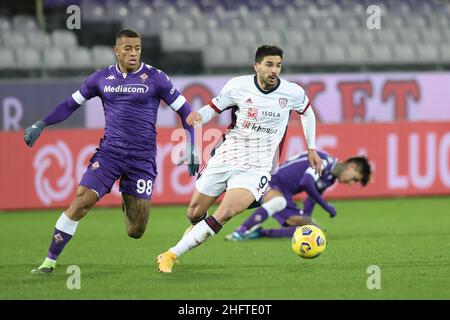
x=293, y=177
x=131, y=92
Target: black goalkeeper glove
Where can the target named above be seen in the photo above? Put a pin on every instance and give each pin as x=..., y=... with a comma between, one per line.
x=192, y=159
x=32, y=133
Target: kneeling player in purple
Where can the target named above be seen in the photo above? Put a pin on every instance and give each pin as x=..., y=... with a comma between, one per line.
x=291, y=178
x=131, y=92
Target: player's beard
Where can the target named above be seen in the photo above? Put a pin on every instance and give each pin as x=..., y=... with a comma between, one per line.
x=270, y=85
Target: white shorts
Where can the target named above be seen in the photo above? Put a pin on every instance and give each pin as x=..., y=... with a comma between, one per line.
x=215, y=180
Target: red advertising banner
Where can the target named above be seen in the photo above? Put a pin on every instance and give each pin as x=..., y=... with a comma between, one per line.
x=337, y=98
x=408, y=159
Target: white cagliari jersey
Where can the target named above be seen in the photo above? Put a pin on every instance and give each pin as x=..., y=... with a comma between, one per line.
x=259, y=121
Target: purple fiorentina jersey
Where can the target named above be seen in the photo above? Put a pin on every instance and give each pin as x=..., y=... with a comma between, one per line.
x=289, y=175
x=130, y=103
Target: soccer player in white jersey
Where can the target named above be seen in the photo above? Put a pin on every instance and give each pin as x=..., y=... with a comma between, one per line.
x=241, y=166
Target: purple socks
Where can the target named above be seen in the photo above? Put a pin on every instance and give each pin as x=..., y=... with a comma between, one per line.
x=58, y=243
x=257, y=217
x=286, y=232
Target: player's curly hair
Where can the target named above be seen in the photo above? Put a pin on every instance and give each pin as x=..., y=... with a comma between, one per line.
x=267, y=50
x=363, y=167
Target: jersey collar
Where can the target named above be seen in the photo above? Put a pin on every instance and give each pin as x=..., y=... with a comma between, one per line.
x=266, y=91
x=124, y=75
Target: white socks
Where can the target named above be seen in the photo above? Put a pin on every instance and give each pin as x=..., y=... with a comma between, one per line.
x=274, y=205
x=66, y=224
x=198, y=234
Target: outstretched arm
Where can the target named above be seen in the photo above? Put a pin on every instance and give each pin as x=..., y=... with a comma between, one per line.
x=217, y=104
x=62, y=111
x=309, y=185
x=309, y=129
x=191, y=155
x=202, y=116
x=183, y=113
x=177, y=102
x=59, y=114
x=308, y=206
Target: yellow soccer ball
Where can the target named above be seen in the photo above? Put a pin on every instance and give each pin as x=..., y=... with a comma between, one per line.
x=308, y=241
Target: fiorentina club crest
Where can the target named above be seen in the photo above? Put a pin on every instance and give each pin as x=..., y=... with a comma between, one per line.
x=144, y=77
x=95, y=165
x=283, y=102
x=252, y=113
x=58, y=238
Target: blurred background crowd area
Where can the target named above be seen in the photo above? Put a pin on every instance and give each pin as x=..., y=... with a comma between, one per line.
x=220, y=36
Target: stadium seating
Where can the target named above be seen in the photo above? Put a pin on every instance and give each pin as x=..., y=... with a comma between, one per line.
x=102, y=56
x=445, y=52
x=28, y=59
x=312, y=32
x=7, y=58
x=213, y=57
x=78, y=58
x=14, y=39
x=64, y=39
x=37, y=39
x=54, y=58
x=5, y=24
x=23, y=23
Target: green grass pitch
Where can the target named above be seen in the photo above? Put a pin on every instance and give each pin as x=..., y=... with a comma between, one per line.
x=407, y=238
